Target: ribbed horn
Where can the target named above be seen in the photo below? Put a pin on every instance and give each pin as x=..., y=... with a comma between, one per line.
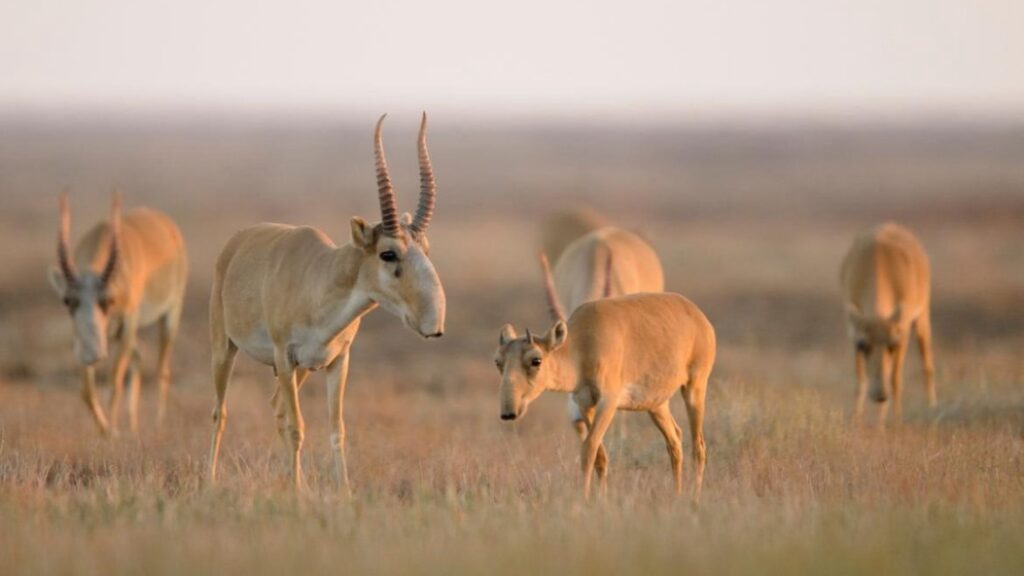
x=554, y=306
x=607, y=290
x=385, y=192
x=114, y=253
x=63, y=235
x=428, y=188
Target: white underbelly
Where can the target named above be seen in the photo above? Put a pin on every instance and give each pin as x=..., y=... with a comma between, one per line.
x=258, y=345
x=309, y=351
x=637, y=396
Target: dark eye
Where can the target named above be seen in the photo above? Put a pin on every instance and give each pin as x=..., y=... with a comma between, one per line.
x=863, y=346
x=535, y=363
x=389, y=256
x=71, y=302
x=104, y=303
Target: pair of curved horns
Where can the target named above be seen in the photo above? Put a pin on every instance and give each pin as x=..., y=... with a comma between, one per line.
x=64, y=235
x=386, y=191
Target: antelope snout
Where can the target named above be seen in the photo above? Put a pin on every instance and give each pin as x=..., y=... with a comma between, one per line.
x=508, y=416
x=427, y=328
x=88, y=358
x=89, y=354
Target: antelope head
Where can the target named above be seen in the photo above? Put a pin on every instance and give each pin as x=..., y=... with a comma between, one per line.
x=87, y=293
x=877, y=340
x=525, y=363
x=396, y=271
x=526, y=366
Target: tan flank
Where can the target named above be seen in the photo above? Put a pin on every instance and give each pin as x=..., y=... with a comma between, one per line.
x=582, y=270
x=625, y=353
x=603, y=263
x=126, y=273
x=886, y=288
x=291, y=299
x=566, y=227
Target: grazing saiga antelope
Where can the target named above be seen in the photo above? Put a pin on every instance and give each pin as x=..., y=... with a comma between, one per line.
x=580, y=273
x=126, y=273
x=600, y=264
x=291, y=299
x=886, y=282
x=626, y=353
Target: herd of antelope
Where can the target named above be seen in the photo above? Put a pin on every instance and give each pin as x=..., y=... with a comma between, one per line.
x=292, y=299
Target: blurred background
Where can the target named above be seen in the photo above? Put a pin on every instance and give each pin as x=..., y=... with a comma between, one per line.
x=749, y=141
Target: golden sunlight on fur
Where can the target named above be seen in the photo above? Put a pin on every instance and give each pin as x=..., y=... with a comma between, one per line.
x=625, y=353
x=886, y=281
x=291, y=299
x=611, y=256
x=600, y=264
x=127, y=273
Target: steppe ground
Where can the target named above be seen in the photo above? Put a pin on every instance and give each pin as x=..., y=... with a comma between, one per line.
x=751, y=223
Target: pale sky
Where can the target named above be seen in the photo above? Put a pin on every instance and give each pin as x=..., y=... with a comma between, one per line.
x=682, y=57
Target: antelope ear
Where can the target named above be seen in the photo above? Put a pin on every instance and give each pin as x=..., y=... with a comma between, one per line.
x=362, y=233
x=556, y=335
x=508, y=334
x=57, y=280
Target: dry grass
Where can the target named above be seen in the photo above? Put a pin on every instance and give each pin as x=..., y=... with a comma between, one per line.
x=441, y=484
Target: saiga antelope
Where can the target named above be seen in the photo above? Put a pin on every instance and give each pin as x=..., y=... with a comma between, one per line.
x=886, y=280
x=580, y=270
x=291, y=299
x=126, y=273
x=626, y=353
x=600, y=264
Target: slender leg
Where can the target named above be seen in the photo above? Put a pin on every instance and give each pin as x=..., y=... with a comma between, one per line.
x=119, y=370
x=89, y=396
x=583, y=426
x=224, y=352
x=862, y=386
x=168, y=334
x=883, y=414
x=288, y=387
x=897, y=379
x=923, y=331
x=581, y=423
x=281, y=408
x=694, y=395
x=134, y=384
x=337, y=377
x=603, y=416
x=663, y=419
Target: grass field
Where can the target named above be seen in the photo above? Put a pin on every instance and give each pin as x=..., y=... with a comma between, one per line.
x=751, y=224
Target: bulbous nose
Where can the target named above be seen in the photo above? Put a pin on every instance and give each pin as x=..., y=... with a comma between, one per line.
x=508, y=415
x=90, y=357
x=879, y=396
